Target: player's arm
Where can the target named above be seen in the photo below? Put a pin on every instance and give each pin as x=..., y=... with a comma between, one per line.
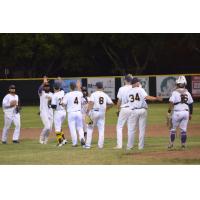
x=40, y=89
x=152, y=98
x=90, y=106
x=78, y=85
x=9, y=104
x=109, y=102
x=190, y=104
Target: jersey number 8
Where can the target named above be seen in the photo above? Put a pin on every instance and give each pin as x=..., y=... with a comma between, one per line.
x=101, y=100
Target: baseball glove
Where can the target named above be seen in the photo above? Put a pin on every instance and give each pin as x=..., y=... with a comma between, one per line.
x=169, y=120
x=88, y=120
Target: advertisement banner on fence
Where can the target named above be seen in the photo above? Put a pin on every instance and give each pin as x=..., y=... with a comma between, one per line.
x=108, y=84
x=143, y=80
x=65, y=84
x=196, y=86
x=165, y=85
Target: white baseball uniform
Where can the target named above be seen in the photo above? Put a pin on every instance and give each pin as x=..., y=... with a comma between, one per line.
x=124, y=114
x=137, y=103
x=181, y=98
x=46, y=114
x=100, y=100
x=10, y=115
x=60, y=112
x=73, y=102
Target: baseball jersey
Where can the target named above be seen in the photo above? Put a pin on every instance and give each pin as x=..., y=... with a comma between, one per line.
x=181, y=98
x=137, y=98
x=122, y=93
x=6, y=103
x=57, y=99
x=73, y=101
x=100, y=100
x=45, y=103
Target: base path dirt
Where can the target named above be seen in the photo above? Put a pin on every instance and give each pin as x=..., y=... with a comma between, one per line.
x=110, y=132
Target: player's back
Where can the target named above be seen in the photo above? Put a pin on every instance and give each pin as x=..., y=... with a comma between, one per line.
x=100, y=100
x=73, y=101
x=122, y=93
x=136, y=97
x=181, y=98
x=57, y=100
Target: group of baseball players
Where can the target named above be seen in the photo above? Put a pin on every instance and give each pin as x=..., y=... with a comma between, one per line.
x=85, y=112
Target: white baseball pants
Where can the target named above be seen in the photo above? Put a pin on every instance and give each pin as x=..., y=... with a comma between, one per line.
x=98, y=118
x=75, y=122
x=180, y=118
x=59, y=118
x=8, y=119
x=48, y=124
x=137, y=120
x=124, y=116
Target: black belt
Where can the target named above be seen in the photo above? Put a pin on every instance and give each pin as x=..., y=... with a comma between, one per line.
x=138, y=108
x=181, y=110
x=96, y=110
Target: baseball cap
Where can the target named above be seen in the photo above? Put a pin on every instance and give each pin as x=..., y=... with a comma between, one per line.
x=57, y=85
x=12, y=87
x=128, y=78
x=99, y=85
x=135, y=80
x=84, y=89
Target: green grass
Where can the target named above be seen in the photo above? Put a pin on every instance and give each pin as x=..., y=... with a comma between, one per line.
x=30, y=152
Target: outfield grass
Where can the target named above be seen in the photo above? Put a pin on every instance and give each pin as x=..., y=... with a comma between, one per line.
x=30, y=152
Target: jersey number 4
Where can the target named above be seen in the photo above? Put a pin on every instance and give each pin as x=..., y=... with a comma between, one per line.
x=132, y=98
x=76, y=100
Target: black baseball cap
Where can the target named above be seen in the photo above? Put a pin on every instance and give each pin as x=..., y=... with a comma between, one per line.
x=57, y=85
x=129, y=78
x=84, y=89
x=12, y=87
x=99, y=85
x=135, y=80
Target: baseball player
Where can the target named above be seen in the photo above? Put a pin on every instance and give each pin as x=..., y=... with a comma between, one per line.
x=85, y=101
x=98, y=103
x=72, y=101
x=11, y=109
x=123, y=109
x=137, y=97
x=46, y=112
x=181, y=107
x=59, y=114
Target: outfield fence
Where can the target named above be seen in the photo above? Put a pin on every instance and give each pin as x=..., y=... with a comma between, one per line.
x=155, y=85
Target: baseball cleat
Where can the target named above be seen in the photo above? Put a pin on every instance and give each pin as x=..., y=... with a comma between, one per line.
x=117, y=148
x=59, y=145
x=183, y=146
x=82, y=142
x=64, y=141
x=86, y=147
x=129, y=148
x=170, y=146
x=15, y=141
x=4, y=142
x=75, y=145
x=41, y=142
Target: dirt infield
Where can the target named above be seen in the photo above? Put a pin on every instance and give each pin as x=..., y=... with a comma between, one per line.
x=110, y=132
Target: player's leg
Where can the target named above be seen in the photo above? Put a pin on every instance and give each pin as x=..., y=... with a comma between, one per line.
x=17, y=123
x=101, y=129
x=142, y=127
x=79, y=125
x=183, y=126
x=175, y=123
x=47, y=127
x=84, y=125
x=63, y=117
x=7, y=123
x=123, y=116
x=57, y=125
x=72, y=128
x=90, y=130
x=132, y=127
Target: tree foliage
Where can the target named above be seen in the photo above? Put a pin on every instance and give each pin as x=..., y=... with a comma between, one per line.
x=33, y=55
